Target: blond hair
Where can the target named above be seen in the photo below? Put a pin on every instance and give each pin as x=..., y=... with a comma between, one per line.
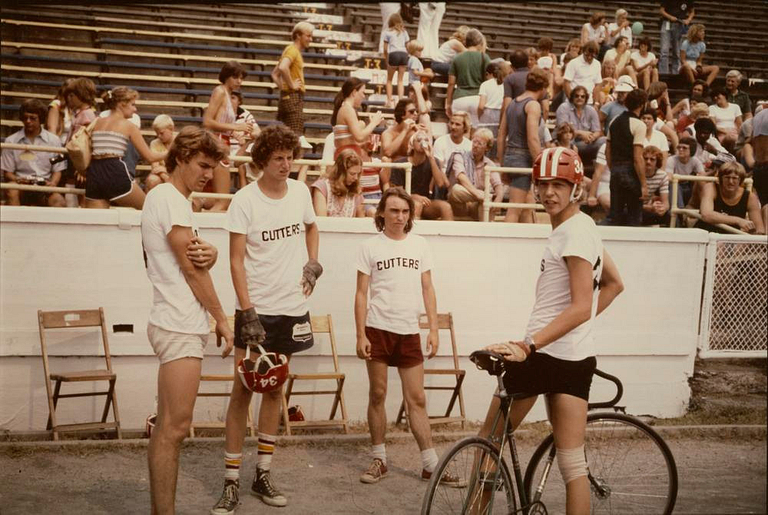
x=414, y=46
x=303, y=27
x=162, y=121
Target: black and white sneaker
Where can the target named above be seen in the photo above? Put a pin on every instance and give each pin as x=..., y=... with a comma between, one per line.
x=263, y=488
x=230, y=499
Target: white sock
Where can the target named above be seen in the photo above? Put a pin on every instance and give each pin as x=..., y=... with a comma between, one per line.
x=380, y=451
x=429, y=459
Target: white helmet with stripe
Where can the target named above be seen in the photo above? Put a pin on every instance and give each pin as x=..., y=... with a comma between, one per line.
x=559, y=163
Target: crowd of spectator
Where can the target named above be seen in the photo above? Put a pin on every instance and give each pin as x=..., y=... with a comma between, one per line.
x=601, y=97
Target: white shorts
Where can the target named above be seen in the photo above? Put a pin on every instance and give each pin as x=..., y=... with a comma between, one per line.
x=170, y=345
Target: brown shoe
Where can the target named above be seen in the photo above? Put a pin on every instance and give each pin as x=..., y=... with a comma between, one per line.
x=375, y=472
x=448, y=479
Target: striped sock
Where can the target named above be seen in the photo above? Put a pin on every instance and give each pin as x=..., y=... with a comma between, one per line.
x=266, y=449
x=232, y=466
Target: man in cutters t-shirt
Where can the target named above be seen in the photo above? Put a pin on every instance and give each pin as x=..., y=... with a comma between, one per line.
x=396, y=267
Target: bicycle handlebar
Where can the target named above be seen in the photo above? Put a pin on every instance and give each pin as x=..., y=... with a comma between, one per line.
x=619, y=391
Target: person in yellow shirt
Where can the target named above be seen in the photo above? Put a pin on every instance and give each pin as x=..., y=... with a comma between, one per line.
x=289, y=77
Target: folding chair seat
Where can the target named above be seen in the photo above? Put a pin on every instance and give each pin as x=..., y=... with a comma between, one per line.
x=77, y=319
x=204, y=392
x=320, y=325
x=444, y=322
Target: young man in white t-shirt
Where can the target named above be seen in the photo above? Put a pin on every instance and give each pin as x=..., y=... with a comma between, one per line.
x=459, y=127
x=177, y=262
x=578, y=280
x=273, y=246
x=396, y=267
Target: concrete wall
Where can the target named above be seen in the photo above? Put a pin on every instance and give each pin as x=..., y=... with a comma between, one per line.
x=484, y=273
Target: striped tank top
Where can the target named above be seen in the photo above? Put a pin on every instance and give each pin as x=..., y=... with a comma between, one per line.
x=109, y=142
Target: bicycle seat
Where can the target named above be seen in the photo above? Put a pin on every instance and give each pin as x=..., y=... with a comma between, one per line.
x=491, y=362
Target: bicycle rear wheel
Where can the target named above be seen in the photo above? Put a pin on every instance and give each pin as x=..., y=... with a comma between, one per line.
x=484, y=483
x=631, y=469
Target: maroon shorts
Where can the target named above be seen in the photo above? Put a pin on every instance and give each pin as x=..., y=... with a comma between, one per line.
x=396, y=350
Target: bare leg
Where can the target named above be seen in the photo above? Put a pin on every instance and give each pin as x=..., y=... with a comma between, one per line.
x=96, y=204
x=413, y=393
x=400, y=78
x=711, y=72
x=134, y=199
x=56, y=200
x=438, y=209
x=237, y=412
x=221, y=182
x=377, y=394
x=688, y=74
x=516, y=195
x=568, y=415
x=13, y=197
x=177, y=384
x=388, y=87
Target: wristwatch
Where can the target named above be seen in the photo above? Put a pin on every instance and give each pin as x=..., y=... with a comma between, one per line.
x=531, y=345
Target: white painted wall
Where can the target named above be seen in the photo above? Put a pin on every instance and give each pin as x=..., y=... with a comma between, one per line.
x=484, y=273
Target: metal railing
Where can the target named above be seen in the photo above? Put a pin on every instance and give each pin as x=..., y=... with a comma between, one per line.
x=488, y=204
x=674, y=210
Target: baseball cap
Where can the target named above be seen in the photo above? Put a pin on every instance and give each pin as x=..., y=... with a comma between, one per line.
x=625, y=84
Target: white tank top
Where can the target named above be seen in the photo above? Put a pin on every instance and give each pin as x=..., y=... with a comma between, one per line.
x=445, y=53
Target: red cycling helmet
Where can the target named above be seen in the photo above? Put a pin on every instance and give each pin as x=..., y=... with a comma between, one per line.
x=266, y=373
x=559, y=163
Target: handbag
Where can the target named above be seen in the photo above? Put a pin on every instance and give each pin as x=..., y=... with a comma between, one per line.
x=80, y=147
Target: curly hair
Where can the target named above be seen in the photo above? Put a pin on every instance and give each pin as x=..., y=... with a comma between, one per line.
x=191, y=141
x=536, y=80
x=119, y=95
x=337, y=175
x=84, y=89
x=394, y=191
x=272, y=138
x=654, y=151
x=694, y=33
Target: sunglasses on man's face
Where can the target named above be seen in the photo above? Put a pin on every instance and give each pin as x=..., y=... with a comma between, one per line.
x=579, y=96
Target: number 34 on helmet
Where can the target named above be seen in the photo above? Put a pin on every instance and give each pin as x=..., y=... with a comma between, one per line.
x=267, y=372
x=559, y=163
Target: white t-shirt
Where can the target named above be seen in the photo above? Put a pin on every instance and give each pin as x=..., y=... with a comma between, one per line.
x=658, y=140
x=578, y=237
x=275, y=246
x=579, y=73
x=174, y=305
x=494, y=93
x=639, y=61
x=626, y=32
x=594, y=34
x=444, y=147
x=725, y=118
x=395, y=268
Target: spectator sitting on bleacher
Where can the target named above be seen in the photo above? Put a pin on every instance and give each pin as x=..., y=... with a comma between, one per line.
x=654, y=137
x=441, y=61
x=620, y=28
x=676, y=16
x=728, y=202
x=338, y=192
x=59, y=118
x=348, y=131
x=596, y=31
x=108, y=178
x=426, y=179
x=692, y=57
x=394, y=140
x=727, y=118
x=32, y=167
x=466, y=174
x=220, y=118
x=656, y=207
x=613, y=109
x=519, y=140
x=735, y=96
x=289, y=77
x=698, y=110
x=645, y=64
x=572, y=51
x=684, y=162
x=586, y=123
x=608, y=86
x=395, y=55
x=467, y=73
x=584, y=71
x=704, y=130
x=243, y=116
x=416, y=71
x=699, y=93
x=164, y=130
x=620, y=54
x=565, y=135
x=459, y=128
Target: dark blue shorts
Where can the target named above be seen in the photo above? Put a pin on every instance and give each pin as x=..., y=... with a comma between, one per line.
x=542, y=373
x=285, y=334
x=397, y=59
x=107, y=179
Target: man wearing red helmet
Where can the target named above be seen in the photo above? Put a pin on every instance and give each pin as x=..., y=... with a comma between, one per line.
x=273, y=246
x=578, y=280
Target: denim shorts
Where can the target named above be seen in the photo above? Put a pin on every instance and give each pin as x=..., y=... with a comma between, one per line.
x=519, y=158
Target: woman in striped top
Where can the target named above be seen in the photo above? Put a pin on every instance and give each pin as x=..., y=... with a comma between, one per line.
x=108, y=180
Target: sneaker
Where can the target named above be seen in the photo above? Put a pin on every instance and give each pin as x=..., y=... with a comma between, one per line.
x=230, y=499
x=375, y=472
x=263, y=488
x=449, y=479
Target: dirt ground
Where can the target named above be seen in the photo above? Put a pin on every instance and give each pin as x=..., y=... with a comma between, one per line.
x=718, y=474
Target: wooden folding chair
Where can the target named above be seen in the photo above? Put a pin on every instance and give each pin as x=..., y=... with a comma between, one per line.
x=78, y=319
x=320, y=324
x=211, y=378
x=444, y=321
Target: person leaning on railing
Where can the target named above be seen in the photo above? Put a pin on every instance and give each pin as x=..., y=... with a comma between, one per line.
x=26, y=167
x=728, y=202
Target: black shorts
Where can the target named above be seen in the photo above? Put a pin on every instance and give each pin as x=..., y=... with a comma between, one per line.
x=397, y=59
x=542, y=373
x=107, y=179
x=285, y=334
x=760, y=182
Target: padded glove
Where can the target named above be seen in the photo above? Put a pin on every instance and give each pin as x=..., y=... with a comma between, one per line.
x=252, y=332
x=312, y=270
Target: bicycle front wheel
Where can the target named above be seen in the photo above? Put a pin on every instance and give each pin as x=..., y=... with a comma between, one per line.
x=470, y=478
x=631, y=469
